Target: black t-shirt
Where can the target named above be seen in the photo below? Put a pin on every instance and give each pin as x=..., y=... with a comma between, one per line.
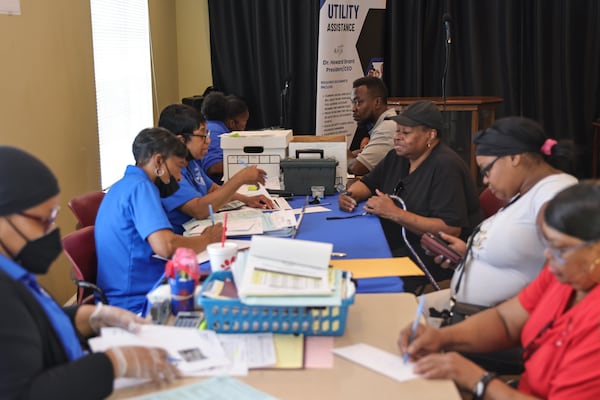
x=441, y=187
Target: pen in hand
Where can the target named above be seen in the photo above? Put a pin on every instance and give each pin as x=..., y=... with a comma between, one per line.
x=413, y=329
x=211, y=213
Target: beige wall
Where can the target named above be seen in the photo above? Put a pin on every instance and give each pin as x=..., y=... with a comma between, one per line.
x=47, y=97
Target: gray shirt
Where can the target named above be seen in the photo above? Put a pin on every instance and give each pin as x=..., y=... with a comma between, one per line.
x=381, y=140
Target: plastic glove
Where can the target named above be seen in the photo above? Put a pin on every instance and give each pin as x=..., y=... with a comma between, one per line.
x=104, y=316
x=142, y=362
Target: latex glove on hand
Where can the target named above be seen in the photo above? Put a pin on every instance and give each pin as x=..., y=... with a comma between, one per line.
x=142, y=362
x=108, y=316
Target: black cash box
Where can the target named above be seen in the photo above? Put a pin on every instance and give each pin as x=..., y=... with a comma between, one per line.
x=299, y=174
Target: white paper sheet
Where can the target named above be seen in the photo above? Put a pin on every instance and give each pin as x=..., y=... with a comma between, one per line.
x=385, y=363
x=194, y=349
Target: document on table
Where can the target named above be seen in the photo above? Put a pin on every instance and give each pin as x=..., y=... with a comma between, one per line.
x=194, y=349
x=220, y=388
x=385, y=363
x=278, y=267
x=378, y=267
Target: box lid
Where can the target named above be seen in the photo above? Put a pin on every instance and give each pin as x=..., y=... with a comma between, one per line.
x=308, y=163
x=268, y=139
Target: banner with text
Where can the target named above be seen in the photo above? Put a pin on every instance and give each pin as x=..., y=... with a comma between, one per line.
x=350, y=46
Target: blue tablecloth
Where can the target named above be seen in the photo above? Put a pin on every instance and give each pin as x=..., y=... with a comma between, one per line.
x=360, y=237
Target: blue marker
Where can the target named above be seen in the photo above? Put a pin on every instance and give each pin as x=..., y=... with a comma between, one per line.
x=212, y=214
x=173, y=360
x=413, y=329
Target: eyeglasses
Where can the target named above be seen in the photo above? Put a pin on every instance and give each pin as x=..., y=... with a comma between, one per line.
x=46, y=222
x=356, y=102
x=206, y=137
x=485, y=171
x=559, y=254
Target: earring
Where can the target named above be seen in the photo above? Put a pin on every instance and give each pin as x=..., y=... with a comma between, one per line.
x=428, y=145
x=594, y=270
x=158, y=171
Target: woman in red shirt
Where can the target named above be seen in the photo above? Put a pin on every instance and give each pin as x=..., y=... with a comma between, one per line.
x=556, y=319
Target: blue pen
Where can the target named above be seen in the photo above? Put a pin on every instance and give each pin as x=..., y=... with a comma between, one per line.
x=413, y=329
x=173, y=360
x=212, y=214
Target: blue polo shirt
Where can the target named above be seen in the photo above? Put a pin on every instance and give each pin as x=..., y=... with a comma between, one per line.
x=215, y=153
x=129, y=213
x=194, y=183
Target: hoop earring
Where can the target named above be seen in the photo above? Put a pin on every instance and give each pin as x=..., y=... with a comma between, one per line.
x=159, y=172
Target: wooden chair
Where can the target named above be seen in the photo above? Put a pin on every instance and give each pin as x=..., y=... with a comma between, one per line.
x=85, y=208
x=80, y=249
x=489, y=203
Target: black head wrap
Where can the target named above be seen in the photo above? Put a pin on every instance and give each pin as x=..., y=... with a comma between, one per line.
x=25, y=181
x=510, y=136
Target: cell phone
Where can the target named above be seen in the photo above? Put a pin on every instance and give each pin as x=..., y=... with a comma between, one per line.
x=189, y=319
x=439, y=247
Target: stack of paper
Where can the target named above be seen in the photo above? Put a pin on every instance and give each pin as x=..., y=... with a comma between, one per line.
x=247, y=222
x=284, y=272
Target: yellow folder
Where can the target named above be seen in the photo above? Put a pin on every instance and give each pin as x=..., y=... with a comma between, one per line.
x=378, y=267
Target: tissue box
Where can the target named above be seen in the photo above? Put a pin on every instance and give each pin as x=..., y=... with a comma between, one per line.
x=300, y=174
x=263, y=148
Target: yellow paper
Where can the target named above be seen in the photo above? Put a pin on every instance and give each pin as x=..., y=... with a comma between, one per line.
x=289, y=350
x=378, y=267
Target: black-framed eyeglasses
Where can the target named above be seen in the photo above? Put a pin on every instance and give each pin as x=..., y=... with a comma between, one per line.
x=46, y=222
x=206, y=137
x=485, y=171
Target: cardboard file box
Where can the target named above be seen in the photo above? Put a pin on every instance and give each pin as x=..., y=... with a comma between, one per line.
x=263, y=148
x=300, y=174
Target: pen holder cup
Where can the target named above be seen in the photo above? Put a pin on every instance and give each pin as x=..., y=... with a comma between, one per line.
x=182, y=295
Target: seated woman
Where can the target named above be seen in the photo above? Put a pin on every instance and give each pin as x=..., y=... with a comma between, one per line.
x=40, y=350
x=132, y=226
x=433, y=181
x=224, y=114
x=556, y=318
x=520, y=164
x=196, y=189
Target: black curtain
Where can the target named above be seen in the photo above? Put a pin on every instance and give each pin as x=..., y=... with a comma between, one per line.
x=541, y=56
x=256, y=45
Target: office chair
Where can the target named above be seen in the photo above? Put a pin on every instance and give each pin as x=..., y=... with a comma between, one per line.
x=489, y=203
x=80, y=249
x=85, y=208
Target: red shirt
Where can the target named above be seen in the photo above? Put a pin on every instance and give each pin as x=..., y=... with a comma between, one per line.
x=563, y=347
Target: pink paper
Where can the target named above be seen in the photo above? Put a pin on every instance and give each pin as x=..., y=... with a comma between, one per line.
x=318, y=352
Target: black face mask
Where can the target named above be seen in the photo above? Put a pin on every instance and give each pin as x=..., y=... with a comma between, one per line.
x=166, y=189
x=38, y=255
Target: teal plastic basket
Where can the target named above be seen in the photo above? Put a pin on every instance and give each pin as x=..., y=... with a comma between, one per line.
x=233, y=316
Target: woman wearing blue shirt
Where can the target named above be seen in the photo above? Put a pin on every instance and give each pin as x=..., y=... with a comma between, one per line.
x=132, y=226
x=40, y=350
x=224, y=114
x=196, y=189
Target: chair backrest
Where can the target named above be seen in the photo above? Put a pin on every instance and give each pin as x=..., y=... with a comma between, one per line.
x=85, y=208
x=489, y=203
x=80, y=249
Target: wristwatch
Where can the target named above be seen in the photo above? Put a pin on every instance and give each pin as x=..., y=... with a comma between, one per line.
x=481, y=385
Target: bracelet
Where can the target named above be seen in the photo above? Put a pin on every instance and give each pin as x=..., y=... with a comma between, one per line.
x=482, y=384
